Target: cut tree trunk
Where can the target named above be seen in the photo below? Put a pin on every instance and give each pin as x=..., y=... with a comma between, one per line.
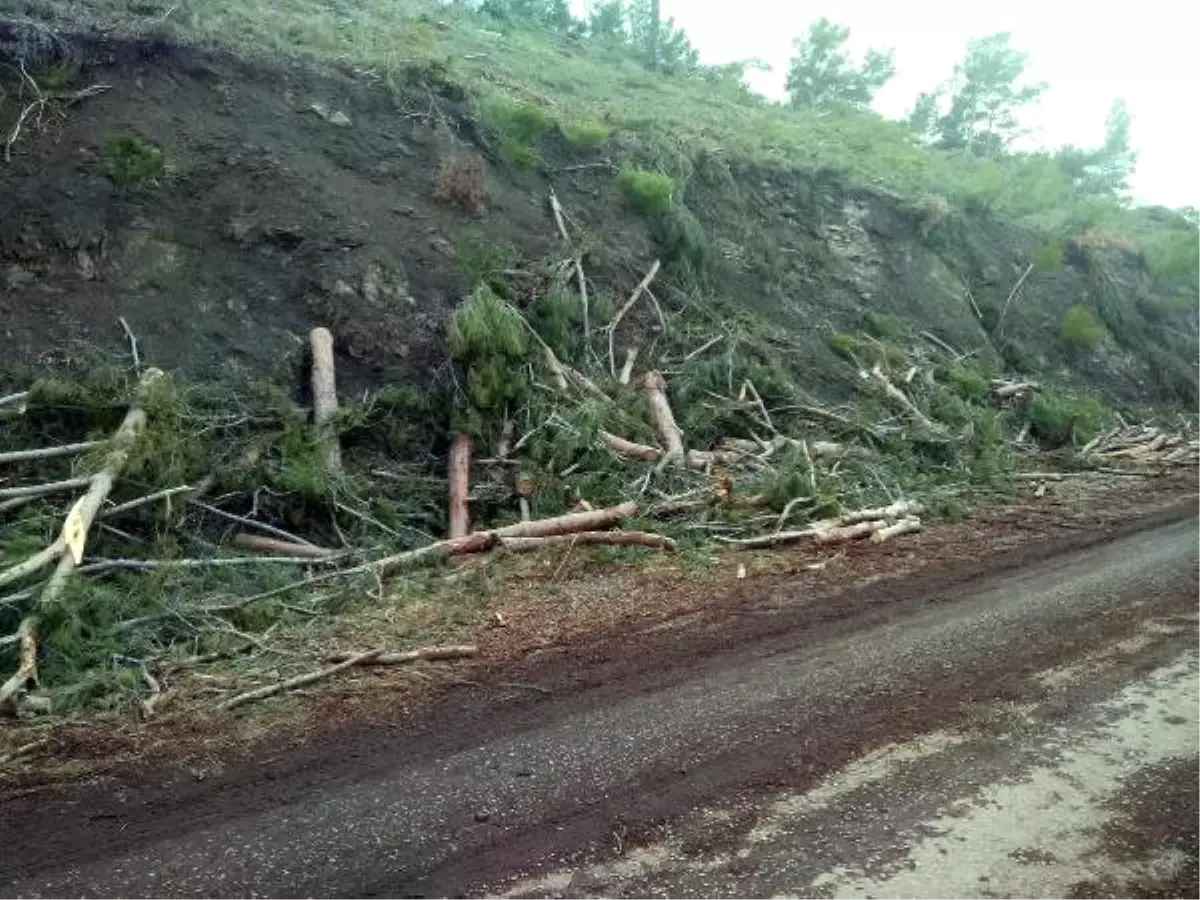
x=593, y=520
x=655, y=388
x=460, y=486
x=904, y=526
x=324, y=391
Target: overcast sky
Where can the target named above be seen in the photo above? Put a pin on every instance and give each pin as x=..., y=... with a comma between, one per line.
x=1145, y=52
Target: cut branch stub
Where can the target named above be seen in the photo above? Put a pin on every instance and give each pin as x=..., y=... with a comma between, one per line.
x=655, y=388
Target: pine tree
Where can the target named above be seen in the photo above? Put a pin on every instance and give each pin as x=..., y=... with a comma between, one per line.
x=822, y=75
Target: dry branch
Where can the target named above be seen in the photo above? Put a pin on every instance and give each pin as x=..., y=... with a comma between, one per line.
x=556, y=209
x=902, y=400
x=459, y=475
x=137, y=502
x=897, y=510
x=904, y=526
x=620, y=314
x=252, y=523
x=40, y=490
x=324, y=393
x=589, y=538
x=631, y=355
x=630, y=449
x=48, y=452
x=451, y=651
x=358, y=659
x=840, y=533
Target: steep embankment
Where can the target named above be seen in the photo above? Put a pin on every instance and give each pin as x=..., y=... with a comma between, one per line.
x=223, y=207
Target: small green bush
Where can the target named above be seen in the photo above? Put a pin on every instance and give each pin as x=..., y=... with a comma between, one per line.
x=488, y=337
x=486, y=326
x=518, y=124
x=882, y=325
x=133, y=164
x=1049, y=256
x=650, y=193
x=1057, y=419
x=1081, y=330
x=586, y=134
x=843, y=344
x=683, y=243
x=966, y=381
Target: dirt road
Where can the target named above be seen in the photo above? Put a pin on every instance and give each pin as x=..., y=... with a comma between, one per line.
x=1021, y=733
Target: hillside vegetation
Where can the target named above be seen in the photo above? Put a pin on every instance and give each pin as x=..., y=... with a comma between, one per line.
x=847, y=297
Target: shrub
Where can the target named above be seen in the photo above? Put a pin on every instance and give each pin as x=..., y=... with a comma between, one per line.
x=966, y=381
x=459, y=181
x=1049, y=257
x=843, y=344
x=882, y=325
x=1081, y=330
x=683, y=243
x=134, y=164
x=1056, y=419
x=649, y=192
x=488, y=337
x=518, y=124
x=587, y=134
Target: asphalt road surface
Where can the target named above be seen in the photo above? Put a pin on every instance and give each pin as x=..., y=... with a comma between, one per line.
x=1025, y=733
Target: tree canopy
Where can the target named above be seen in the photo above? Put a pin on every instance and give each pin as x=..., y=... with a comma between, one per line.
x=822, y=74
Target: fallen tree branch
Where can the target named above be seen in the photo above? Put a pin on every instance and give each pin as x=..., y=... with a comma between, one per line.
x=250, y=523
x=589, y=538
x=840, y=533
x=133, y=344
x=902, y=400
x=703, y=347
x=288, y=548
x=556, y=209
x=904, y=526
x=1011, y=296
x=40, y=490
x=620, y=314
x=570, y=523
x=164, y=494
x=148, y=565
x=451, y=651
x=299, y=681
x=14, y=399
x=48, y=452
x=348, y=662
